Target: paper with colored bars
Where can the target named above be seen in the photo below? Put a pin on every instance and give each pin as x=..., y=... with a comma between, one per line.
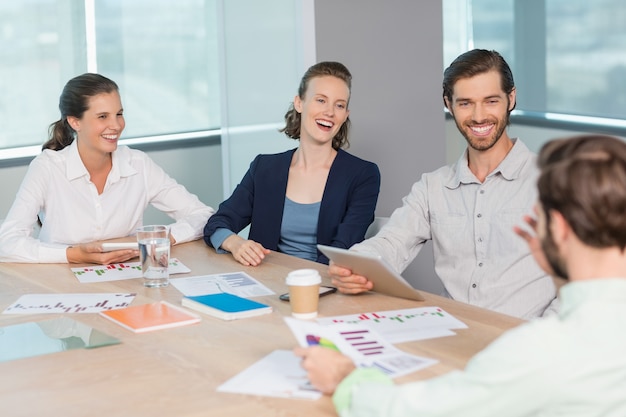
x=117, y=272
x=405, y=325
x=68, y=303
x=364, y=346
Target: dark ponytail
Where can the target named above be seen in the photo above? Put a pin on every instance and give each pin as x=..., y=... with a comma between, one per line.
x=60, y=135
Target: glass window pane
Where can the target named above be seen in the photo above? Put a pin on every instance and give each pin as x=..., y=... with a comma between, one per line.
x=577, y=68
x=30, y=66
x=163, y=55
x=586, y=63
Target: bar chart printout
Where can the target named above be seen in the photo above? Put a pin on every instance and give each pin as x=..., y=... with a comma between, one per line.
x=237, y=283
x=405, y=325
x=121, y=271
x=364, y=346
x=68, y=303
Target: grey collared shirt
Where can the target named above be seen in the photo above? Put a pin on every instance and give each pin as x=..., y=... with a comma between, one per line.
x=478, y=256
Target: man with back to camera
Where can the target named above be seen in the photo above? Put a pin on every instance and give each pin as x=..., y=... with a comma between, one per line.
x=469, y=209
x=570, y=365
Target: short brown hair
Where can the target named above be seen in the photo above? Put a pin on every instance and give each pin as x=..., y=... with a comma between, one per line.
x=584, y=179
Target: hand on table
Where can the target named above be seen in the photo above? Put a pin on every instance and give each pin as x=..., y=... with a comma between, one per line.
x=246, y=252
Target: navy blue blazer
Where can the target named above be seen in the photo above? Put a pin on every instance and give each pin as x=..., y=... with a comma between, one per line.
x=346, y=210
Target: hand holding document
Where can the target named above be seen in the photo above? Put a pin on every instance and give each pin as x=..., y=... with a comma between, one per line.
x=364, y=346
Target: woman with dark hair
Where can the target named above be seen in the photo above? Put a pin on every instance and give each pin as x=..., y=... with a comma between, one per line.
x=84, y=188
x=315, y=193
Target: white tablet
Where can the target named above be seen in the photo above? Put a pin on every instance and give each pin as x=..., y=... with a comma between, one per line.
x=385, y=279
x=111, y=246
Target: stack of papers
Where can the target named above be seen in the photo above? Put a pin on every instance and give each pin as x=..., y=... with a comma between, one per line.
x=398, y=326
x=365, y=338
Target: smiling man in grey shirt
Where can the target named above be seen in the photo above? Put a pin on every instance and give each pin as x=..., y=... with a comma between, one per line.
x=469, y=209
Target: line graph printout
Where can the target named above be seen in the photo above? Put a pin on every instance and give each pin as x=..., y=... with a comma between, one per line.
x=117, y=272
x=364, y=346
x=238, y=283
x=405, y=325
x=68, y=303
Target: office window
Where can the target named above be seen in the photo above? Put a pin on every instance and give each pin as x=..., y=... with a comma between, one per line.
x=567, y=56
x=162, y=54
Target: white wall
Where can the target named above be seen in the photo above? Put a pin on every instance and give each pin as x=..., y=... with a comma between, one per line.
x=396, y=60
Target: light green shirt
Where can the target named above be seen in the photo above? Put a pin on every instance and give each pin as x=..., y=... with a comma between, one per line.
x=571, y=365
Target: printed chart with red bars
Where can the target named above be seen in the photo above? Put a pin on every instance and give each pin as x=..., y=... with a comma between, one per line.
x=403, y=325
x=68, y=303
x=368, y=348
x=116, y=272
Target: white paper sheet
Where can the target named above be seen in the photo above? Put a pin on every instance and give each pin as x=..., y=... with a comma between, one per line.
x=278, y=374
x=364, y=346
x=68, y=303
x=238, y=283
x=405, y=325
x=117, y=272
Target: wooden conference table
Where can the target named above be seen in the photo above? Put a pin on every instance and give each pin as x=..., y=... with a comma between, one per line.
x=175, y=372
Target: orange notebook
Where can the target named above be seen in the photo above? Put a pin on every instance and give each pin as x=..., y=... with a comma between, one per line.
x=148, y=317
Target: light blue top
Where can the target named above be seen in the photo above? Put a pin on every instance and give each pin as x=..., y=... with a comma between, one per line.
x=573, y=365
x=298, y=231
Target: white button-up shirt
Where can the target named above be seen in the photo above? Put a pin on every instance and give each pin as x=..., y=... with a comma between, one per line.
x=478, y=256
x=58, y=189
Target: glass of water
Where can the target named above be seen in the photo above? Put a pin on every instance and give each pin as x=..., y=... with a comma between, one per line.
x=154, y=254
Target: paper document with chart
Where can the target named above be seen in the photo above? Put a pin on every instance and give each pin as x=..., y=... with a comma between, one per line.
x=68, y=303
x=364, y=346
x=118, y=272
x=238, y=283
x=404, y=325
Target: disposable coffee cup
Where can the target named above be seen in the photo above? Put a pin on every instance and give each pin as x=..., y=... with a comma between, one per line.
x=304, y=287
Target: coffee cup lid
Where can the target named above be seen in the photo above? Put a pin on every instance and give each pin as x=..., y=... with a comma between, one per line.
x=303, y=277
